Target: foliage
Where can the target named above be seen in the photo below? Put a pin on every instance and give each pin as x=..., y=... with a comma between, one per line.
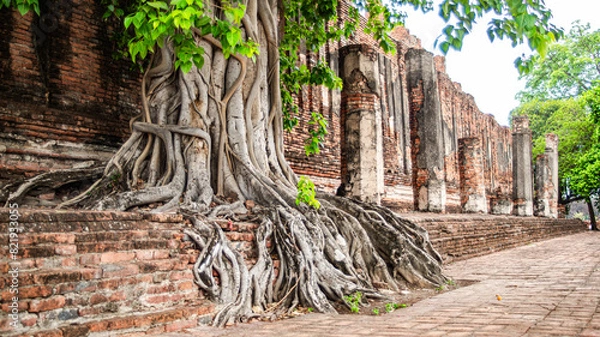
x=306, y=193
x=354, y=301
x=572, y=121
x=376, y=311
x=23, y=6
x=569, y=69
x=317, y=133
x=515, y=20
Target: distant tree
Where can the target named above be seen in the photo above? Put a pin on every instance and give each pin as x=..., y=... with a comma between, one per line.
x=570, y=67
x=578, y=148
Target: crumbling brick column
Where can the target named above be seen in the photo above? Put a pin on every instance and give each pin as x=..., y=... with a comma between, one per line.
x=546, y=179
x=362, y=176
x=522, y=171
x=426, y=132
x=472, y=183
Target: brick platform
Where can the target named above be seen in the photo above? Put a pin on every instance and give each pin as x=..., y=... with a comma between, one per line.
x=92, y=273
x=463, y=236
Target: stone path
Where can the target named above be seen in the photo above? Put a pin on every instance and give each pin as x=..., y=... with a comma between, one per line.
x=549, y=288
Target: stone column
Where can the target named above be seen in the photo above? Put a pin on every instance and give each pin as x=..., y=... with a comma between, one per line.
x=362, y=176
x=426, y=132
x=472, y=181
x=522, y=173
x=546, y=179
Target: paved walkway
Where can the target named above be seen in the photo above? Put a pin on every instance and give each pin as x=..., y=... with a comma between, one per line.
x=551, y=288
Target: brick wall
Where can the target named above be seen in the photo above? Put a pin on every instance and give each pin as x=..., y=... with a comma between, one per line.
x=63, y=98
x=463, y=119
x=459, y=237
x=83, y=273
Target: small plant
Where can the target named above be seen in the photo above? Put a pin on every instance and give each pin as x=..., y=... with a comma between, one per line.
x=310, y=309
x=400, y=306
x=376, y=311
x=440, y=288
x=115, y=177
x=389, y=307
x=450, y=282
x=317, y=134
x=354, y=301
x=306, y=193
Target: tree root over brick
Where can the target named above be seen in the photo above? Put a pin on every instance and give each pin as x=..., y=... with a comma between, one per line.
x=212, y=139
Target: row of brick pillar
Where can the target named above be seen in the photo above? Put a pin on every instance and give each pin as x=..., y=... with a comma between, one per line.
x=363, y=174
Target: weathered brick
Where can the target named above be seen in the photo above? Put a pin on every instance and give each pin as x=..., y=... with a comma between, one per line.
x=90, y=259
x=55, y=302
x=75, y=331
x=113, y=257
x=116, y=270
x=35, y=291
x=180, y=325
x=49, y=333
x=65, y=250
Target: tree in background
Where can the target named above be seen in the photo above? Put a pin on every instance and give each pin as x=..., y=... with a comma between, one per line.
x=570, y=120
x=562, y=96
x=570, y=67
x=217, y=95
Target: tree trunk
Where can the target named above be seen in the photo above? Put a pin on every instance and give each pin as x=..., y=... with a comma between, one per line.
x=592, y=215
x=212, y=139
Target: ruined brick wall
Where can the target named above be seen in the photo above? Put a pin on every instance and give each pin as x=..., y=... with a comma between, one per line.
x=84, y=272
x=63, y=98
x=325, y=168
x=460, y=237
x=463, y=119
x=66, y=100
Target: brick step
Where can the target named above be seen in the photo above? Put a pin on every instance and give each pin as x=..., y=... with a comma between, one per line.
x=131, y=324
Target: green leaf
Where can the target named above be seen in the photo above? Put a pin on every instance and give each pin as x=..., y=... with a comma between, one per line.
x=159, y=5
x=23, y=9
x=186, y=66
x=444, y=46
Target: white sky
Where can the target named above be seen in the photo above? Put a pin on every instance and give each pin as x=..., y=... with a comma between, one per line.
x=486, y=70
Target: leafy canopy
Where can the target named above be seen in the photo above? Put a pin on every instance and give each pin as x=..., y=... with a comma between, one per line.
x=562, y=96
x=570, y=67
x=577, y=126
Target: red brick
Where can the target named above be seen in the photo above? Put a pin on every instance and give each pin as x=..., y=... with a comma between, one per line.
x=120, y=270
x=118, y=296
x=97, y=298
x=75, y=331
x=49, y=333
x=52, y=303
x=65, y=250
x=35, y=291
x=90, y=259
x=180, y=325
x=22, y=306
x=91, y=273
x=113, y=257
x=28, y=320
x=186, y=285
x=56, y=276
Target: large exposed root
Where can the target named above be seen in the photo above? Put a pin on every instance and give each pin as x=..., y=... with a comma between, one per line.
x=345, y=247
x=54, y=180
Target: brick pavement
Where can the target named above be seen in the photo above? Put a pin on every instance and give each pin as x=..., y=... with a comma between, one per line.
x=549, y=288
